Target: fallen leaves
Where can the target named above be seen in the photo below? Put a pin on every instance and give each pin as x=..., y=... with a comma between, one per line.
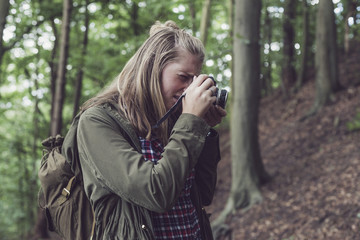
x=315, y=164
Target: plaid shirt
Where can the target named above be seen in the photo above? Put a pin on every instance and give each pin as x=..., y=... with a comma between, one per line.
x=181, y=222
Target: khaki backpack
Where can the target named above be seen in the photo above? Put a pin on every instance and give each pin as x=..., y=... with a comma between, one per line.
x=62, y=194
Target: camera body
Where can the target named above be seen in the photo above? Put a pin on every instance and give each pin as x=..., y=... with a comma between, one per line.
x=221, y=95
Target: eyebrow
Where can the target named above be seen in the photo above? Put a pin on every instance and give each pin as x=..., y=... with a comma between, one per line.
x=187, y=74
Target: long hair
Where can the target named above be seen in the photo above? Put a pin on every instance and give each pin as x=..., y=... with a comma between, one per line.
x=137, y=88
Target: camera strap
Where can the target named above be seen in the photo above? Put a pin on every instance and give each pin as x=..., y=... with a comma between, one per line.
x=167, y=114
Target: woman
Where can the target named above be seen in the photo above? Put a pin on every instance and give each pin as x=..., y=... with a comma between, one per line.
x=147, y=182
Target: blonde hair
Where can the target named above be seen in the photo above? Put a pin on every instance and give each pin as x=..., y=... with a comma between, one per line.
x=137, y=88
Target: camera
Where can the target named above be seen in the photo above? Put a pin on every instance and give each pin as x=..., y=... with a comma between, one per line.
x=221, y=95
x=221, y=99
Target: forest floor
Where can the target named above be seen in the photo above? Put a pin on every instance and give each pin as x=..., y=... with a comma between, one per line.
x=315, y=166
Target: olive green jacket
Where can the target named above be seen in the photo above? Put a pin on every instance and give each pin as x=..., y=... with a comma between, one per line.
x=123, y=188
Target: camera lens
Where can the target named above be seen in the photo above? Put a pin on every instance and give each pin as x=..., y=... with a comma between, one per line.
x=221, y=97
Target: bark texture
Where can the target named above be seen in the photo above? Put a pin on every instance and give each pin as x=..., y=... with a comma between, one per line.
x=288, y=70
x=248, y=172
x=205, y=20
x=56, y=119
x=326, y=61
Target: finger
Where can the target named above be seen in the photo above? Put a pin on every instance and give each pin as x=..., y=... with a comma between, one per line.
x=192, y=84
x=197, y=81
x=209, y=120
x=215, y=114
x=207, y=83
x=222, y=112
x=212, y=113
x=212, y=90
x=204, y=81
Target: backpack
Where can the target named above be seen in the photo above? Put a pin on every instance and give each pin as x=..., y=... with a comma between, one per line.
x=62, y=195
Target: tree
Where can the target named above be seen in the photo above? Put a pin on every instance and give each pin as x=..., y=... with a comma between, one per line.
x=301, y=77
x=80, y=73
x=248, y=172
x=56, y=118
x=267, y=70
x=350, y=11
x=4, y=11
x=326, y=61
x=192, y=11
x=53, y=65
x=288, y=71
x=204, y=25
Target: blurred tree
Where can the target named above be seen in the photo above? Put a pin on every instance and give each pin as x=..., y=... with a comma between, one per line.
x=192, y=11
x=80, y=71
x=326, y=60
x=204, y=24
x=53, y=64
x=349, y=12
x=265, y=84
x=301, y=77
x=248, y=172
x=288, y=75
x=56, y=118
x=4, y=11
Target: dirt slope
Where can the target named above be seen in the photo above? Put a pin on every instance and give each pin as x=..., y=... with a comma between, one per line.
x=315, y=165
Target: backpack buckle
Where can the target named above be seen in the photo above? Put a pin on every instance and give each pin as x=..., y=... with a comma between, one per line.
x=66, y=190
x=65, y=193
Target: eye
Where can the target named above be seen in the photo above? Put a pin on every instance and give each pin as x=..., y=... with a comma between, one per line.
x=183, y=78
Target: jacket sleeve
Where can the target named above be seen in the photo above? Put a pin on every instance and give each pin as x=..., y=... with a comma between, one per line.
x=206, y=168
x=118, y=167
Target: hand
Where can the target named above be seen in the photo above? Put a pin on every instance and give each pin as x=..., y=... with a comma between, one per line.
x=214, y=116
x=199, y=96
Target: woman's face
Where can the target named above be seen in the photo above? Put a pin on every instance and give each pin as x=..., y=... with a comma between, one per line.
x=177, y=76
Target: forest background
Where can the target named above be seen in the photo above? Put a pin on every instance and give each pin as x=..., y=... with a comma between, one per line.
x=102, y=36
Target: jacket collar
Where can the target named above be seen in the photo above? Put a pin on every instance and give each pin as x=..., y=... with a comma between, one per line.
x=115, y=112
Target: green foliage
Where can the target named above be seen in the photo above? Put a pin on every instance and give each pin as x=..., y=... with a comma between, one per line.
x=354, y=125
x=18, y=190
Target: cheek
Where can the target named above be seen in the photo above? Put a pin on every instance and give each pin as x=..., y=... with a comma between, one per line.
x=167, y=86
x=164, y=87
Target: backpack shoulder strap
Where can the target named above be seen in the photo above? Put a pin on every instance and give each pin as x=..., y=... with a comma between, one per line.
x=69, y=148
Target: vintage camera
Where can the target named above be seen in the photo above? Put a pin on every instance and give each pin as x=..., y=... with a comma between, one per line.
x=221, y=95
x=221, y=99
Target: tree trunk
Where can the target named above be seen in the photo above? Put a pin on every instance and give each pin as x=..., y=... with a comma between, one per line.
x=56, y=120
x=350, y=12
x=39, y=230
x=230, y=13
x=134, y=15
x=79, y=75
x=204, y=25
x=53, y=64
x=267, y=79
x=326, y=61
x=231, y=34
x=248, y=172
x=4, y=11
x=192, y=10
x=288, y=71
x=301, y=78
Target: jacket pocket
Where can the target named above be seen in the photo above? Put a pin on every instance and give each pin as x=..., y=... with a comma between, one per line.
x=128, y=221
x=61, y=218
